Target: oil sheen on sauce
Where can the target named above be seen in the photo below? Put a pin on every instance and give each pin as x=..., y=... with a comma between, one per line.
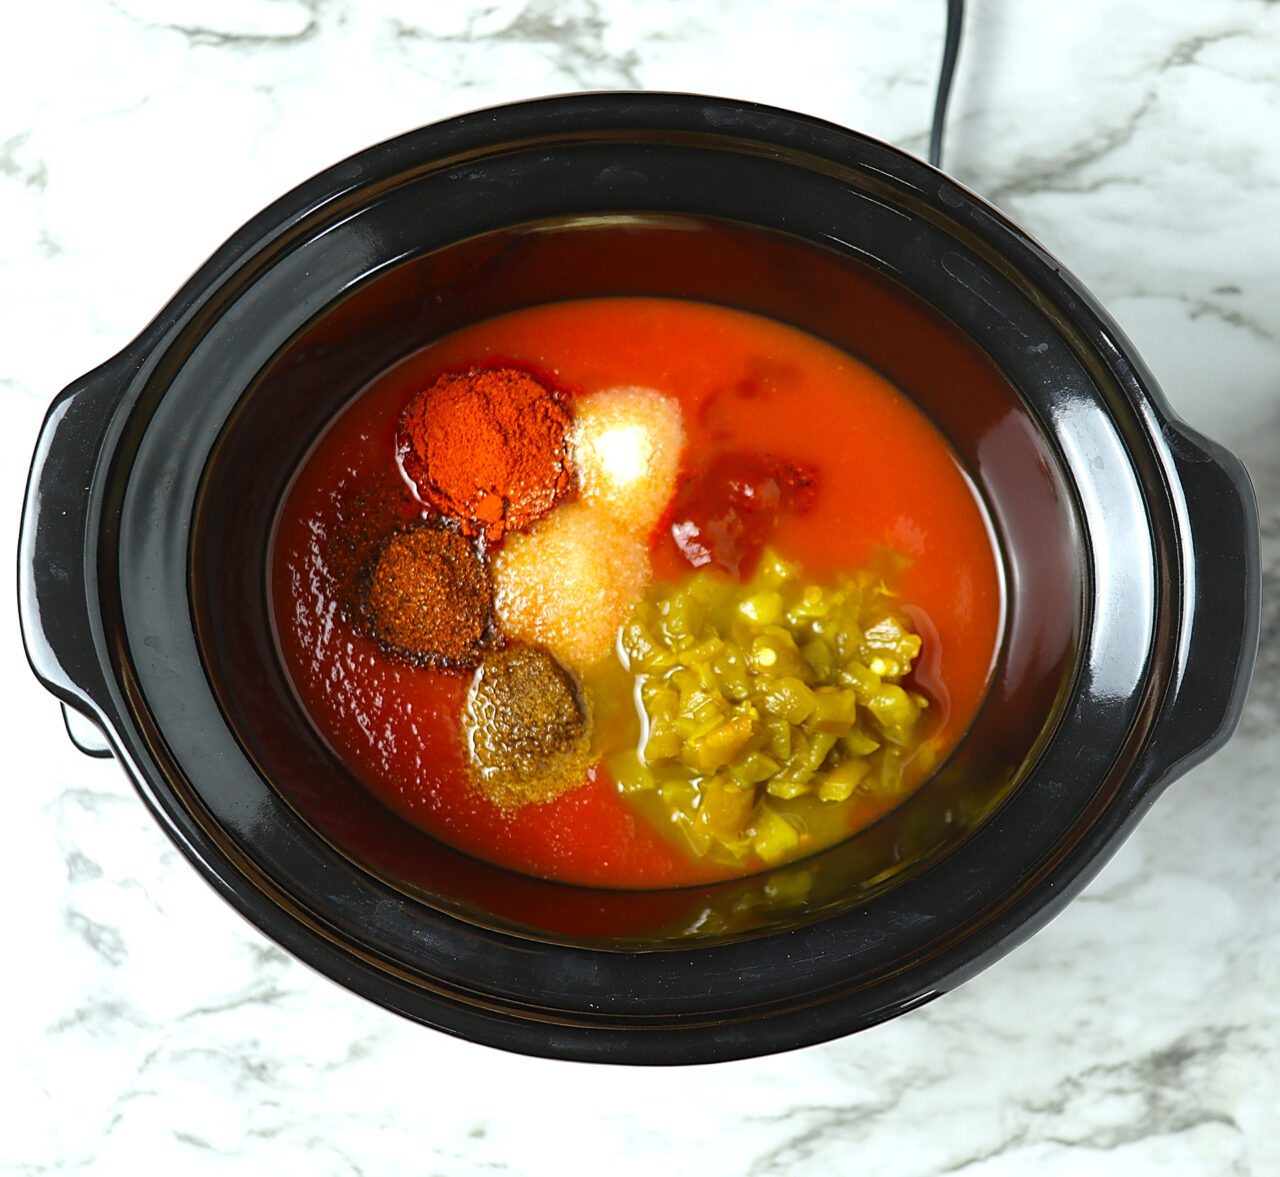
x=886, y=479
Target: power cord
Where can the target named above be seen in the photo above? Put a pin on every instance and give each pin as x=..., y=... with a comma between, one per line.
x=950, y=52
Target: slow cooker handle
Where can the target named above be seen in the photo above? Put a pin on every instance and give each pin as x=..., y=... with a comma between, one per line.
x=57, y=564
x=1223, y=582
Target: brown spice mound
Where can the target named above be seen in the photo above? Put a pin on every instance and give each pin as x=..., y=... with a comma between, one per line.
x=488, y=447
x=527, y=727
x=427, y=597
x=364, y=515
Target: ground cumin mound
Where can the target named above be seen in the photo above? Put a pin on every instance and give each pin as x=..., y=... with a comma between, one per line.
x=527, y=727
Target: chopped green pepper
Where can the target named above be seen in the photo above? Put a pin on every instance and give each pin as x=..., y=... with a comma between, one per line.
x=759, y=693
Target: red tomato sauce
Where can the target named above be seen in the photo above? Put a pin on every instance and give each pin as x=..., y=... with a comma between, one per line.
x=885, y=479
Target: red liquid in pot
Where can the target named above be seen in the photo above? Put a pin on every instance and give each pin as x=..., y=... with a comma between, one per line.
x=746, y=385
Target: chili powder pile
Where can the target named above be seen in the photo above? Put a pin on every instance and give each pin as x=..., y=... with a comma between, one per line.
x=427, y=597
x=488, y=447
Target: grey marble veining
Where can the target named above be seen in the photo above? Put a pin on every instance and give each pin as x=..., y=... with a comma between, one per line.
x=147, y=1027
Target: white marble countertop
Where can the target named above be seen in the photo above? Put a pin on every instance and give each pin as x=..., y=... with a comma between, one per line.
x=148, y=1028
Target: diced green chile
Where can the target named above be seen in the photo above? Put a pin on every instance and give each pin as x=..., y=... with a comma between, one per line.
x=764, y=691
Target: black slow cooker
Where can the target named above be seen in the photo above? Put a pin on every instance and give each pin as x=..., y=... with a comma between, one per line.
x=1129, y=547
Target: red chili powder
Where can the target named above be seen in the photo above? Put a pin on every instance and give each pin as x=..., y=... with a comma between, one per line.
x=488, y=447
x=427, y=597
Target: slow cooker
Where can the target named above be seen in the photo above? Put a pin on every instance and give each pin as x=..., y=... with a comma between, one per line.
x=1129, y=547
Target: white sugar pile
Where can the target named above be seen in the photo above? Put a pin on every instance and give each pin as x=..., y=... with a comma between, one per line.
x=569, y=583
x=626, y=451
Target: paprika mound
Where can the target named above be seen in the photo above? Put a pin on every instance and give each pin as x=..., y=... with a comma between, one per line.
x=427, y=597
x=488, y=447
